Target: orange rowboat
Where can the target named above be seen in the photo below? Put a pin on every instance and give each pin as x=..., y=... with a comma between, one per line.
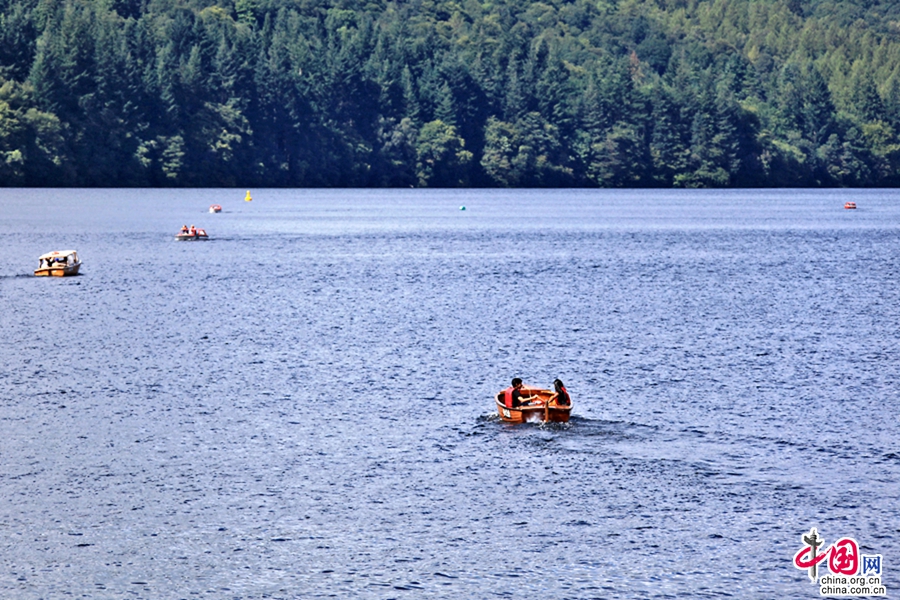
x=542, y=410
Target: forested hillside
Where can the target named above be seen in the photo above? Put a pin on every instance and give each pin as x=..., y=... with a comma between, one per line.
x=596, y=93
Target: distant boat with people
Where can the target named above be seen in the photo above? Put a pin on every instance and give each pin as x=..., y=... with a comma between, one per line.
x=58, y=263
x=190, y=234
x=215, y=208
x=850, y=205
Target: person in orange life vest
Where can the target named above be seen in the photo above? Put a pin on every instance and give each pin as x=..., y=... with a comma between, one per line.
x=512, y=396
x=562, y=395
x=184, y=229
x=193, y=230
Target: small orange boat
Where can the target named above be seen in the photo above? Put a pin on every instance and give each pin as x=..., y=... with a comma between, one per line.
x=215, y=208
x=544, y=409
x=850, y=205
x=197, y=234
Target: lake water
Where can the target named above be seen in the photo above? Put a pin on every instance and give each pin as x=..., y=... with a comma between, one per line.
x=302, y=406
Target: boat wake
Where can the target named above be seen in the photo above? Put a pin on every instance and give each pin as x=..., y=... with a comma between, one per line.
x=489, y=418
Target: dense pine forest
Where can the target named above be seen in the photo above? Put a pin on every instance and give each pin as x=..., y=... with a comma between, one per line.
x=442, y=93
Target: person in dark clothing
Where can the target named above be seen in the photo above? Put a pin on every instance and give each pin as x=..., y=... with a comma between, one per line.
x=562, y=395
x=512, y=396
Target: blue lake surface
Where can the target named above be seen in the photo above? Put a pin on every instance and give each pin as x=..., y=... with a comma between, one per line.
x=301, y=407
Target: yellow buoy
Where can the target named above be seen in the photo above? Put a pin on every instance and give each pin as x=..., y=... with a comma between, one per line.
x=247, y=198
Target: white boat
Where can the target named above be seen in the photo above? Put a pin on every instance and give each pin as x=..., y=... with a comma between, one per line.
x=58, y=263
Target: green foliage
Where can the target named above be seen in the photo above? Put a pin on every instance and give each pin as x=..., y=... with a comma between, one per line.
x=441, y=157
x=31, y=141
x=699, y=93
x=524, y=154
